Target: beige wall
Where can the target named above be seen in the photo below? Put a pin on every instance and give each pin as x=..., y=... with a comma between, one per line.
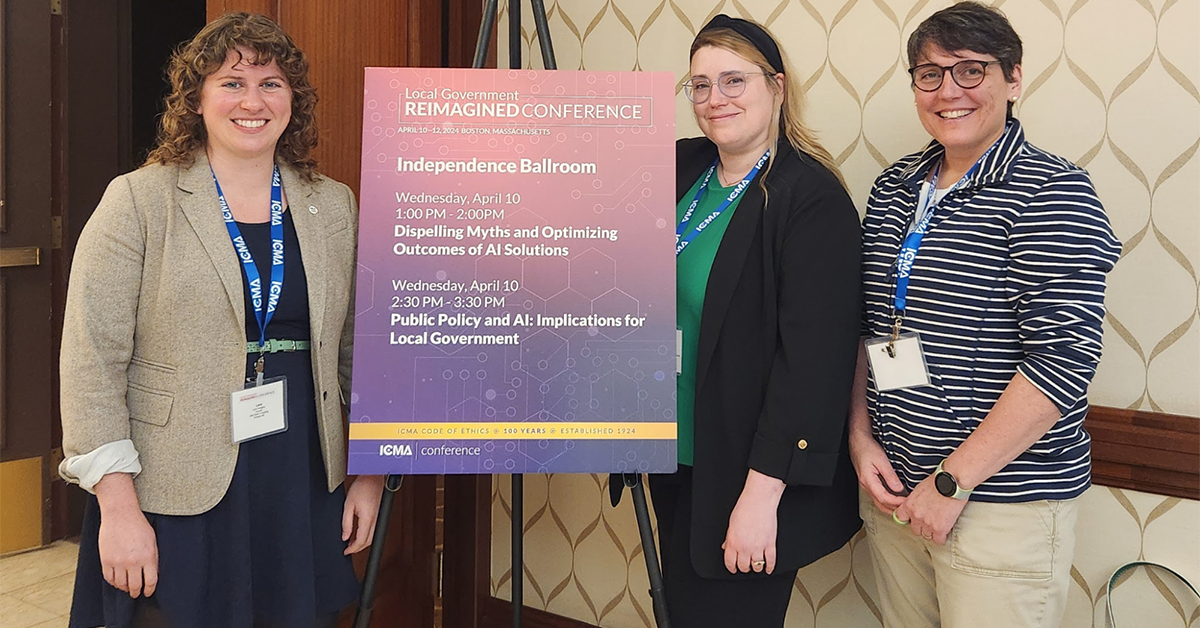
x=583, y=560
x=1109, y=84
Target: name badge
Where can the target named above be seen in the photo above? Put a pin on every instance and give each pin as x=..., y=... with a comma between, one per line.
x=678, y=351
x=899, y=364
x=259, y=410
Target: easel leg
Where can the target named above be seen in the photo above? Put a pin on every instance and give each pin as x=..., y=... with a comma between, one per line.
x=485, y=33
x=366, y=599
x=518, y=547
x=518, y=482
x=658, y=594
x=514, y=34
x=514, y=59
x=543, y=33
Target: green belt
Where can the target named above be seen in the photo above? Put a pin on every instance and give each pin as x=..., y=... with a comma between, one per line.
x=275, y=346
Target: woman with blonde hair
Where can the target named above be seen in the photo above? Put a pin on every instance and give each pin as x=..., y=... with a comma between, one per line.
x=767, y=250
x=206, y=348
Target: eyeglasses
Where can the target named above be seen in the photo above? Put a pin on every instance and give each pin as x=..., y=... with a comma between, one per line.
x=967, y=74
x=732, y=84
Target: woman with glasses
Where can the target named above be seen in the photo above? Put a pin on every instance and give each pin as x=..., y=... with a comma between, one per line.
x=767, y=251
x=984, y=262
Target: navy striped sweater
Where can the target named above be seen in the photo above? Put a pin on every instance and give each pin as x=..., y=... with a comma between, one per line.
x=1010, y=277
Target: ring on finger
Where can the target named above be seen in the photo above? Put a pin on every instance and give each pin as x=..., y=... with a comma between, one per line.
x=758, y=564
x=928, y=537
x=897, y=519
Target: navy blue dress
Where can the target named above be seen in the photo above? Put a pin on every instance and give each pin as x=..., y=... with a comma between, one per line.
x=271, y=550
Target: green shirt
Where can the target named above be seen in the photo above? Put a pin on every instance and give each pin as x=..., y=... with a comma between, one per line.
x=692, y=268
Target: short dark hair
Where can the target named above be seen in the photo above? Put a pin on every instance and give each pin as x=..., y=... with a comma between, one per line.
x=969, y=26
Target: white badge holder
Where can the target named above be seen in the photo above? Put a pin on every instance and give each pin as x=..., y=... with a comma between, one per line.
x=678, y=351
x=897, y=363
x=259, y=410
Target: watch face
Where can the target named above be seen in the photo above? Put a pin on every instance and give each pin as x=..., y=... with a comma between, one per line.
x=945, y=484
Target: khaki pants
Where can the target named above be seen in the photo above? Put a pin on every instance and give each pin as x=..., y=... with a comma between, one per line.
x=1003, y=566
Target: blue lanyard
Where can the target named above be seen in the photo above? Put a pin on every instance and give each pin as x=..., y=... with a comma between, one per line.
x=912, y=242
x=683, y=237
x=252, y=276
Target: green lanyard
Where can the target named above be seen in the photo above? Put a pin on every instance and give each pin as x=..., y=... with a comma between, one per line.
x=1112, y=620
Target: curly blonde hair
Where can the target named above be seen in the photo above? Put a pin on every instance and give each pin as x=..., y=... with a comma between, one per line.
x=181, y=130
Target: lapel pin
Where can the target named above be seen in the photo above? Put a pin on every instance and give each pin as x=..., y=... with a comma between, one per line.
x=312, y=209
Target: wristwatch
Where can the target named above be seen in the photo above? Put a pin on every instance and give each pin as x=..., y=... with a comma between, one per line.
x=947, y=485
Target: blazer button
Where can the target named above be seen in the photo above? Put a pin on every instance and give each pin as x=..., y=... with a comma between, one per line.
x=803, y=444
x=312, y=209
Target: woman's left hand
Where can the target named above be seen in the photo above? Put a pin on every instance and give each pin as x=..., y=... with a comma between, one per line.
x=930, y=514
x=360, y=512
x=750, y=540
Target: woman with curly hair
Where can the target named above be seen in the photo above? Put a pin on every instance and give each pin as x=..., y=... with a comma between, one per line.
x=206, y=353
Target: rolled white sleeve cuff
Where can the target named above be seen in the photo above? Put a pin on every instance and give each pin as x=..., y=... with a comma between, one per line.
x=87, y=469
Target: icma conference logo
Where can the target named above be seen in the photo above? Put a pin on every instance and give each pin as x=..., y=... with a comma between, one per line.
x=395, y=449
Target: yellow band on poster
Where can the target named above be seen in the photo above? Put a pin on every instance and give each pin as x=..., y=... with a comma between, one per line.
x=512, y=431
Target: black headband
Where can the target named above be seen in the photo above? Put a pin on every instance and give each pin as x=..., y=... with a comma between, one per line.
x=757, y=36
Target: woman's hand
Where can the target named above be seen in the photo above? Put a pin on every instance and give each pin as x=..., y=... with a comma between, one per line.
x=128, y=546
x=360, y=512
x=871, y=464
x=875, y=473
x=750, y=541
x=929, y=513
x=1021, y=416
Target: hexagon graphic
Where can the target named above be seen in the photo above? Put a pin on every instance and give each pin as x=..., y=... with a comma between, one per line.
x=543, y=355
x=615, y=302
x=524, y=220
x=593, y=273
x=568, y=302
x=545, y=276
x=614, y=397
x=491, y=269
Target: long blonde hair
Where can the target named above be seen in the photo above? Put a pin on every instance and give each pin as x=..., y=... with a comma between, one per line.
x=789, y=117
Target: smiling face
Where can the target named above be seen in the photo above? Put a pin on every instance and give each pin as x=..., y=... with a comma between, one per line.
x=245, y=107
x=966, y=121
x=741, y=124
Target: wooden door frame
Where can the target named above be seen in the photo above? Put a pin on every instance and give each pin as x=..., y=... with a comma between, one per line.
x=27, y=365
x=467, y=557
x=64, y=118
x=90, y=139
x=27, y=122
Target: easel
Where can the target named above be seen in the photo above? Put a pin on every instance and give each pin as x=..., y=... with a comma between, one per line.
x=392, y=483
x=366, y=599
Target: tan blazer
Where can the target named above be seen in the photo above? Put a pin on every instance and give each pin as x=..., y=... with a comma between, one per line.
x=154, y=336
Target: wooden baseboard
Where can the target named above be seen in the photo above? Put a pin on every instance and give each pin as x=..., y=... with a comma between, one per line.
x=498, y=614
x=1150, y=452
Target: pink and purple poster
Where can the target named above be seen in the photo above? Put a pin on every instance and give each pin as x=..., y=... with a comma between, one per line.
x=515, y=310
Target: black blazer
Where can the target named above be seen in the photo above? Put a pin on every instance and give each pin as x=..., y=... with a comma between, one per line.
x=778, y=343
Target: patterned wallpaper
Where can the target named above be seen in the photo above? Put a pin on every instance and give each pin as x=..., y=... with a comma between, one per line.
x=583, y=560
x=1109, y=84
